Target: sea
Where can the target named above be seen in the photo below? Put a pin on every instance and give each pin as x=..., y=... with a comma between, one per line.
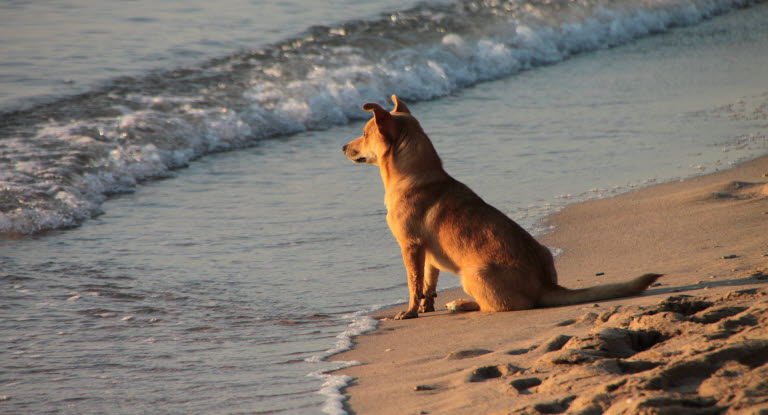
x=180, y=232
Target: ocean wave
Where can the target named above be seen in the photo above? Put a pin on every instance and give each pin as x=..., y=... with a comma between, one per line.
x=61, y=160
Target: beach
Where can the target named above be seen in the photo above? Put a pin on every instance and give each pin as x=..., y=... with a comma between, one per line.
x=696, y=342
x=180, y=232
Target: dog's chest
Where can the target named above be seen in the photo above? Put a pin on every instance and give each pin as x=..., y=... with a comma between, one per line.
x=401, y=221
x=405, y=215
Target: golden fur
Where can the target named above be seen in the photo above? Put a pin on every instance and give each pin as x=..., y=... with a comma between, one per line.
x=441, y=224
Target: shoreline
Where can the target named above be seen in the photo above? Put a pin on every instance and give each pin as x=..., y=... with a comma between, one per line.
x=703, y=233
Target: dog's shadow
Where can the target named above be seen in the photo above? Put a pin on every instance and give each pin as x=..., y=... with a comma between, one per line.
x=751, y=280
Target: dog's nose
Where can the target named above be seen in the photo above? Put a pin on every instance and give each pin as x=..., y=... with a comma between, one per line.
x=344, y=147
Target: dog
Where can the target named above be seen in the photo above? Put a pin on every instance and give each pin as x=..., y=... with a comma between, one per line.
x=442, y=225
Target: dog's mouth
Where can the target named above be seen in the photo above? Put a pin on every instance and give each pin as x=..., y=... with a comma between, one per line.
x=360, y=160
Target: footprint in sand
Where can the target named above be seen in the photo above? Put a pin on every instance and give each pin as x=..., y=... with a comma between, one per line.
x=517, y=352
x=484, y=373
x=524, y=384
x=684, y=355
x=554, y=407
x=466, y=354
x=555, y=343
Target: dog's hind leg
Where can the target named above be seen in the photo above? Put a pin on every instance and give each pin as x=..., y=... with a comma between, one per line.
x=501, y=289
x=430, y=288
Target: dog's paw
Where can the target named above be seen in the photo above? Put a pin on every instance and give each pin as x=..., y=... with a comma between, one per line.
x=404, y=315
x=427, y=305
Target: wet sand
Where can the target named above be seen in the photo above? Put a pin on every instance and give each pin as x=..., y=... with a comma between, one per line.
x=696, y=342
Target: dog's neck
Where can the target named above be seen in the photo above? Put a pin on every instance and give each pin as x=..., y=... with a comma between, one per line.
x=401, y=170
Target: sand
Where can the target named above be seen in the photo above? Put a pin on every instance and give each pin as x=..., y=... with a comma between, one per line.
x=696, y=343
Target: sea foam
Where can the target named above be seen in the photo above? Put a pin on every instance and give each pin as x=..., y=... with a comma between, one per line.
x=331, y=389
x=62, y=160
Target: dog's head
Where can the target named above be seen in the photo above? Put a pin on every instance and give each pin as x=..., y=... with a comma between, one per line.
x=382, y=133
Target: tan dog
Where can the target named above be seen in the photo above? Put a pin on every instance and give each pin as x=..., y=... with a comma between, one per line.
x=441, y=224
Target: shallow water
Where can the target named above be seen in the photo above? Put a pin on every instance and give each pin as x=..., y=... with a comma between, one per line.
x=219, y=289
x=56, y=47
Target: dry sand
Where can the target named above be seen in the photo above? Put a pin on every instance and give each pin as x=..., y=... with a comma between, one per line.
x=696, y=344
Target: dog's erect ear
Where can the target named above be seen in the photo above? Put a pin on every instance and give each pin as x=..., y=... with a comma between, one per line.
x=400, y=105
x=383, y=120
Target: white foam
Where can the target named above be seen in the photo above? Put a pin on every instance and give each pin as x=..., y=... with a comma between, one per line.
x=360, y=323
x=331, y=390
x=330, y=95
x=62, y=175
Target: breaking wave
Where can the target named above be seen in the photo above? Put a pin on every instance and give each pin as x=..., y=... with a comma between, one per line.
x=59, y=161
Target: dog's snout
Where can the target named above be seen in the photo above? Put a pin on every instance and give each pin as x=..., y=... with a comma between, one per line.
x=344, y=147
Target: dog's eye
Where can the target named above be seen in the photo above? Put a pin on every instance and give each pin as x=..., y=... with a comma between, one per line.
x=365, y=135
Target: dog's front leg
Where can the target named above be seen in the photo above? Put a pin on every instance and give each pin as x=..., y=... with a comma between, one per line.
x=413, y=257
x=430, y=289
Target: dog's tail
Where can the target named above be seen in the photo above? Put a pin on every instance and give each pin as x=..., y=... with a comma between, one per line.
x=563, y=296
